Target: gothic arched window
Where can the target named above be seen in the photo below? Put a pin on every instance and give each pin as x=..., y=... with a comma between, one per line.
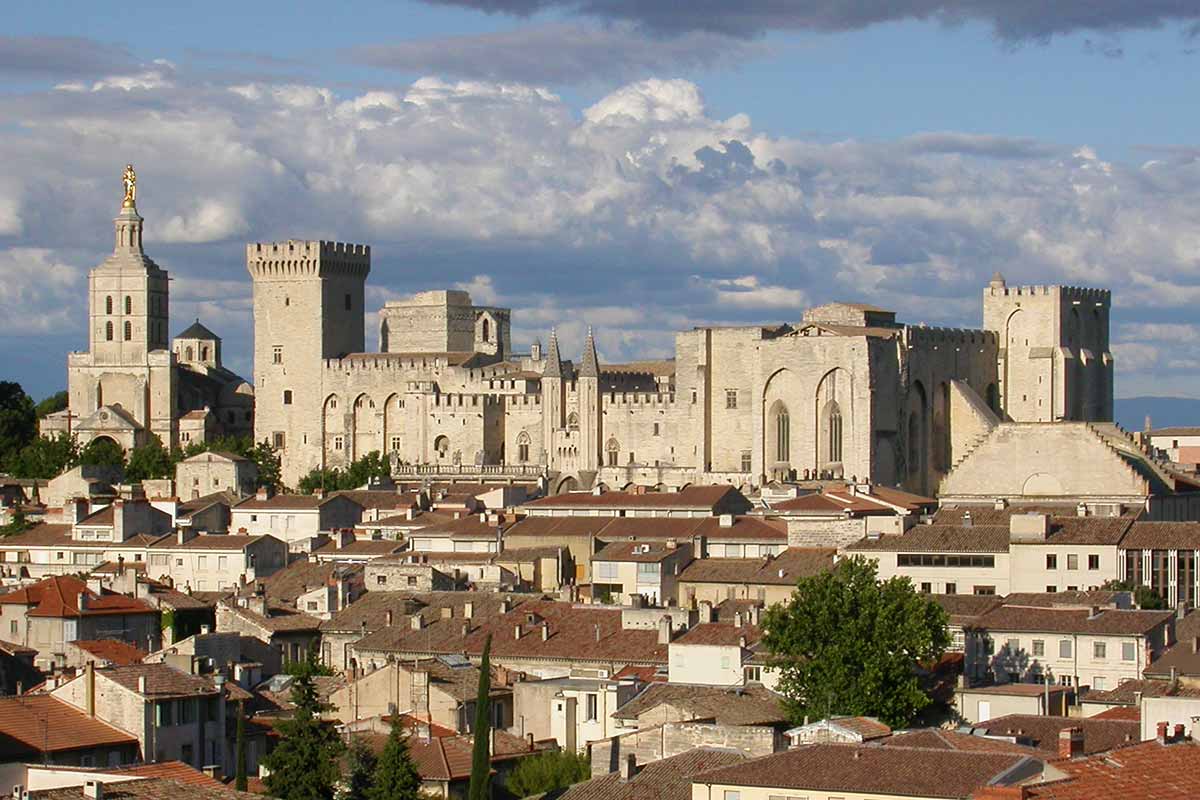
x=487, y=331
x=783, y=436
x=523, y=447
x=834, y=432
x=613, y=449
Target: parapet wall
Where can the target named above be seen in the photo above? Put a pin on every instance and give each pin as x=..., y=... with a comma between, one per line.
x=307, y=258
x=1080, y=293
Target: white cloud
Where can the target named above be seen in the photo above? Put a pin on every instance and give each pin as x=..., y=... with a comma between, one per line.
x=38, y=293
x=641, y=214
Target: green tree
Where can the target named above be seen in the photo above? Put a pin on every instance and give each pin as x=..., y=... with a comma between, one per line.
x=1145, y=597
x=545, y=772
x=102, y=452
x=18, y=420
x=396, y=776
x=360, y=774
x=52, y=404
x=149, y=462
x=18, y=524
x=239, y=780
x=358, y=473
x=304, y=764
x=481, y=761
x=46, y=457
x=846, y=643
x=269, y=466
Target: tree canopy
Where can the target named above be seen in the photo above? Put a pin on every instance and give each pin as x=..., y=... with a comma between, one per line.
x=846, y=643
x=149, y=462
x=53, y=404
x=18, y=420
x=1145, y=597
x=360, y=773
x=45, y=457
x=304, y=764
x=547, y=771
x=396, y=776
x=102, y=452
x=359, y=473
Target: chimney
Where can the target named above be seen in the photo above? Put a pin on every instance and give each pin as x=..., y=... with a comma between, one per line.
x=706, y=612
x=387, y=618
x=1000, y=504
x=416, y=621
x=1070, y=742
x=726, y=521
x=1196, y=644
x=90, y=688
x=597, y=630
x=142, y=689
x=263, y=493
x=1162, y=732
x=1081, y=510
x=205, y=630
x=737, y=619
x=545, y=631
x=628, y=767
x=83, y=600
x=504, y=606
x=213, y=771
x=93, y=790
x=468, y=610
x=517, y=631
x=1179, y=732
x=448, y=612
x=664, y=630
x=966, y=519
x=19, y=793
x=410, y=514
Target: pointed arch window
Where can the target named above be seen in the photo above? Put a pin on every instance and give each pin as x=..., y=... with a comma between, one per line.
x=835, y=433
x=487, y=330
x=613, y=450
x=523, y=447
x=783, y=436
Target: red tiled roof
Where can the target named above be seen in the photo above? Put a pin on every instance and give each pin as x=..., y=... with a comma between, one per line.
x=666, y=779
x=34, y=724
x=114, y=652
x=161, y=680
x=172, y=770
x=784, y=569
x=720, y=634
x=1043, y=731
x=1146, y=771
x=1065, y=620
x=701, y=498
x=867, y=769
x=58, y=596
x=942, y=739
x=1126, y=713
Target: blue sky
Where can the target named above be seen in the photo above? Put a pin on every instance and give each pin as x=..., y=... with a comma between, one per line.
x=599, y=161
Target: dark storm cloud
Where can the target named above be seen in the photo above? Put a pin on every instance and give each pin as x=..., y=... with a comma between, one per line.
x=1011, y=20
x=60, y=57
x=559, y=53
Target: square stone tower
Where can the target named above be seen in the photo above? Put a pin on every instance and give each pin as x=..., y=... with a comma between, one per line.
x=308, y=307
x=1054, y=359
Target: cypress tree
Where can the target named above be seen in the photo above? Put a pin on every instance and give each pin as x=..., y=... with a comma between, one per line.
x=304, y=765
x=239, y=782
x=481, y=762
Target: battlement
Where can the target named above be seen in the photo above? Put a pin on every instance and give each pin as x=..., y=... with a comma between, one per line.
x=923, y=335
x=1083, y=294
x=642, y=399
x=316, y=258
x=394, y=362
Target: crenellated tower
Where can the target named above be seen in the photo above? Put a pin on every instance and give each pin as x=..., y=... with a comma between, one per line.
x=308, y=307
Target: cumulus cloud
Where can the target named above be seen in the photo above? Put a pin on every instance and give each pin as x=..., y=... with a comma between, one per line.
x=1011, y=20
x=560, y=53
x=641, y=215
x=38, y=294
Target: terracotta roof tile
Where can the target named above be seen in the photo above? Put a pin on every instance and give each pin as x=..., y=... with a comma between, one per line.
x=750, y=705
x=699, y=498
x=1146, y=771
x=34, y=724
x=58, y=596
x=161, y=680
x=940, y=539
x=1058, y=620
x=666, y=779
x=942, y=739
x=114, y=652
x=1042, y=731
x=784, y=569
x=867, y=769
x=148, y=789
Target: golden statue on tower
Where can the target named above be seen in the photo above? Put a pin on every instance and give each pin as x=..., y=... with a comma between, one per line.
x=130, y=181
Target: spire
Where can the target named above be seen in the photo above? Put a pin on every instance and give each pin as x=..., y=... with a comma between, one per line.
x=553, y=360
x=591, y=365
